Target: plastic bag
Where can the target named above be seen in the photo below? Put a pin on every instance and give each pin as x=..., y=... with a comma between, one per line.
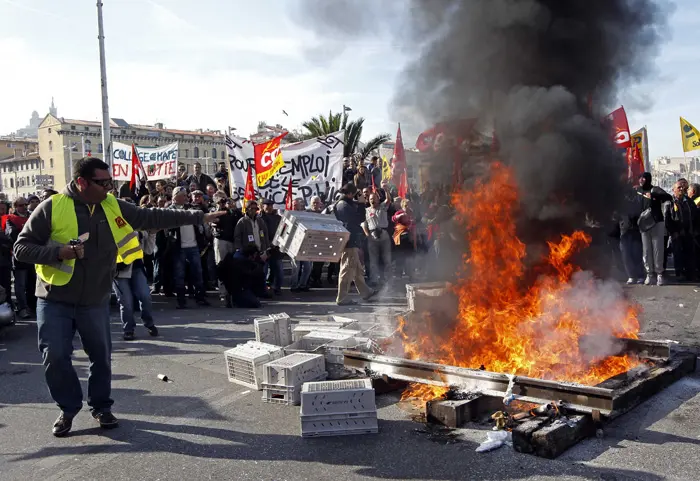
x=509, y=396
x=494, y=440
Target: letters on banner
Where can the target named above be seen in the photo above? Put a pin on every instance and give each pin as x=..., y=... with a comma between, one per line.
x=268, y=159
x=621, y=129
x=315, y=167
x=158, y=162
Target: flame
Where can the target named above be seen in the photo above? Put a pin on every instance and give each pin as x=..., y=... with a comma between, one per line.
x=510, y=324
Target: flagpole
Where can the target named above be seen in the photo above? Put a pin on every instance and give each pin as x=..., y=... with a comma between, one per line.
x=106, y=134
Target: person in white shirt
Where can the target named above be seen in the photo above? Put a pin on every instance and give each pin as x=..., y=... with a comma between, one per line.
x=376, y=226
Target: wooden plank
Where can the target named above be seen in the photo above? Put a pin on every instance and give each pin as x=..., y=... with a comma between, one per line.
x=456, y=413
x=548, y=438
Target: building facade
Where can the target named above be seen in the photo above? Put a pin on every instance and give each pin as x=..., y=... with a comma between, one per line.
x=13, y=146
x=63, y=141
x=18, y=175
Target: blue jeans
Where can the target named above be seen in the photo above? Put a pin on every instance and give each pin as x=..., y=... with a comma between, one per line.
x=128, y=289
x=57, y=324
x=188, y=255
x=301, y=271
x=274, y=268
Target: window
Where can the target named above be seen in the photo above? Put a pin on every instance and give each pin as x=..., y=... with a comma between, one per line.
x=87, y=129
x=12, y=183
x=50, y=146
x=213, y=153
x=123, y=132
x=133, y=132
x=99, y=148
x=28, y=183
x=201, y=137
x=88, y=146
x=196, y=152
x=187, y=153
x=223, y=154
x=206, y=154
x=72, y=127
x=43, y=164
x=49, y=129
x=51, y=163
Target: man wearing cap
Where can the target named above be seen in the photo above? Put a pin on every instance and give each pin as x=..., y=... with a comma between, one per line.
x=223, y=230
x=75, y=239
x=186, y=242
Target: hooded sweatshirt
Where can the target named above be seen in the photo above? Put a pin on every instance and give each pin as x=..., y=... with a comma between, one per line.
x=91, y=283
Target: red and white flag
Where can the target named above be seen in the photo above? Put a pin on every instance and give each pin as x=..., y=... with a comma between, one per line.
x=138, y=173
x=398, y=164
x=620, y=128
x=249, y=193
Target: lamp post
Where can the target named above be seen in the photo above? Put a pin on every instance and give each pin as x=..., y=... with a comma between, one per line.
x=106, y=133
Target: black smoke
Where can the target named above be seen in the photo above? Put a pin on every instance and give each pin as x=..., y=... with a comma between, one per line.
x=530, y=70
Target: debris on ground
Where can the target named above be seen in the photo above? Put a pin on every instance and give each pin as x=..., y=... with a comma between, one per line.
x=494, y=440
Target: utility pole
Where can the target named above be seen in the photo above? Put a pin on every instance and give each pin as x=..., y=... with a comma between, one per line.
x=106, y=133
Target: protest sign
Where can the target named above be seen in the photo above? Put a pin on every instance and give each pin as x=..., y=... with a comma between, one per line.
x=314, y=166
x=159, y=162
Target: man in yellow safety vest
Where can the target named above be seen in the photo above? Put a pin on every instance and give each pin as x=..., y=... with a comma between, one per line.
x=75, y=239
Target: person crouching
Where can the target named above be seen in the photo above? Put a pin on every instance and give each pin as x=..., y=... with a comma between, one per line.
x=243, y=276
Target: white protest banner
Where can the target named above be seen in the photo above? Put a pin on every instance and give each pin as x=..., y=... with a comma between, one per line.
x=159, y=162
x=315, y=167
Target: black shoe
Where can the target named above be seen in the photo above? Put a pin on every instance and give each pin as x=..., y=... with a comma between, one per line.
x=129, y=336
x=169, y=294
x=153, y=331
x=305, y=289
x=106, y=420
x=347, y=302
x=181, y=305
x=203, y=302
x=370, y=295
x=295, y=289
x=63, y=425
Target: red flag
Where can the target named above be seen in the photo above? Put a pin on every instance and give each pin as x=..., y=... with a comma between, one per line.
x=398, y=161
x=403, y=185
x=249, y=189
x=635, y=166
x=620, y=128
x=138, y=173
x=268, y=159
x=289, y=202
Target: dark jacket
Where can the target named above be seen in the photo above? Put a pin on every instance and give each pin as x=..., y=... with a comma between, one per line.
x=12, y=231
x=238, y=272
x=201, y=182
x=352, y=215
x=658, y=197
x=173, y=235
x=225, y=225
x=272, y=222
x=244, y=233
x=91, y=283
x=683, y=217
x=5, y=250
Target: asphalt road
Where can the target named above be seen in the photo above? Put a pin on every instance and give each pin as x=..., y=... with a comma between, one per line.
x=200, y=426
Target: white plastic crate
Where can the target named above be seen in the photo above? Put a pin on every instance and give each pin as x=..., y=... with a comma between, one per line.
x=307, y=236
x=339, y=425
x=244, y=363
x=338, y=338
x=294, y=369
x=304, y=328
x=338, y=397
x=425, y=290
x=332, y=354
x=289, y=395
x=273, y=330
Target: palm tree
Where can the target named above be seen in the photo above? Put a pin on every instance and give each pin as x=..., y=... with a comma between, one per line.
x=321, y=125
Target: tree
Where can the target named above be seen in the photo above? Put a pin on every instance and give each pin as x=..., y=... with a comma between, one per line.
x=321, y=125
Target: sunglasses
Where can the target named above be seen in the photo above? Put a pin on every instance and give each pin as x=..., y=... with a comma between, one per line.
x=104, y=183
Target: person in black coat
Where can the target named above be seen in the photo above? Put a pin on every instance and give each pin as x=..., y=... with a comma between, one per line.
x=242, y=274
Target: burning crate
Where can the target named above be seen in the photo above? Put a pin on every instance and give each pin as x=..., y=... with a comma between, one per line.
x=244, y=363
x=431, y=296
x=335, y=408
x=307, y=236
x=304, y=328
x=284, y=377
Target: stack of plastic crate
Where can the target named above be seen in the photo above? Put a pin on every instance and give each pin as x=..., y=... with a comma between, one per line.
x=418, y=294
x=335, y=408
x=284, y=377
x=244, y=363
x=273, y=329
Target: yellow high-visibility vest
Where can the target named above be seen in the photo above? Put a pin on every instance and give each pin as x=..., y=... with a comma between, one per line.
x=64, y=228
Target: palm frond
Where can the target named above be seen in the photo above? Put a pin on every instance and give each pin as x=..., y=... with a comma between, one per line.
x=374, y=144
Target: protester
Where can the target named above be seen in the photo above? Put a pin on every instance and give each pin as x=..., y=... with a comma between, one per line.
x=198, y=178
x=682, y=226
x=406, y=238
x=301, y=270
x=223, y=230
x=185, y=242
x=362, y=178
x=211, y=190
x=242, y=274
x=23, y=272
x=378, y=239
x=6, y=257
x=375, y=172
x=222, y=185
x=32, y=203
x=694, y=193
x=651, y=225
x=274, y=272
x=73, y=299
x=631, y=238
x=251, y=229
x=47, y=193
x=351, y=215
x=222, y=173
x=131, y=286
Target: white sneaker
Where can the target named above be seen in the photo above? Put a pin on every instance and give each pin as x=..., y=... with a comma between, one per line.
x=640, y=280
x=649, y=280
x=660, y=280
x=630, y=281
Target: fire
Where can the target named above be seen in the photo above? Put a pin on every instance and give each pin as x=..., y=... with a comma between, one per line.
x=511, y=322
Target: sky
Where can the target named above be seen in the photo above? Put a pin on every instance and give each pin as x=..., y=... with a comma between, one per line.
x=219, y=63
